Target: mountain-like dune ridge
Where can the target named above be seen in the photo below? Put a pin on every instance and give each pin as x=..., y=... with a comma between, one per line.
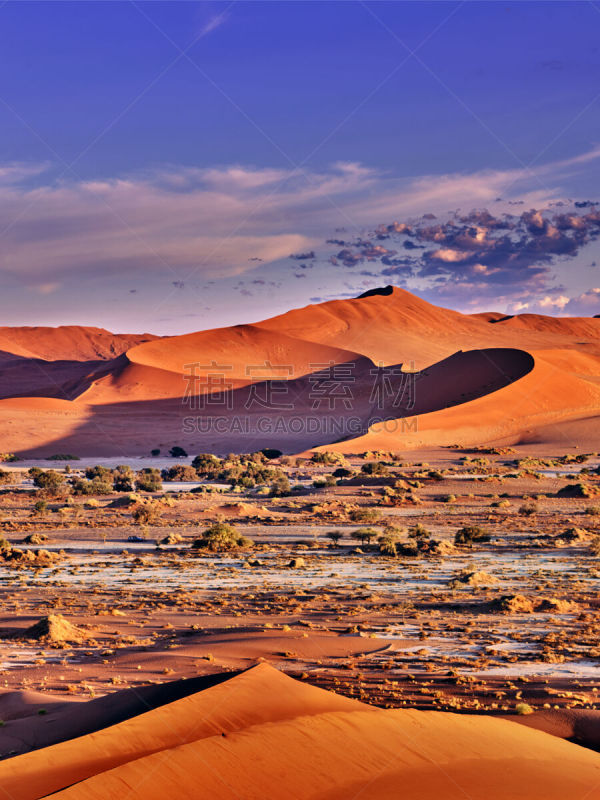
x=68, y=342
x=259, y=695
x=129, y=405
x=262, y=734
x=234, y=357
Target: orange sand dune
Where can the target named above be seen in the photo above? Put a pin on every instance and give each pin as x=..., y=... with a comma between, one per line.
x=393, y=328
x=225, y=358
x=262, y=734
x=247, y=349
x=254, y=697
x=551, y=393
x=228, y=358
x=68, y=342
x=400, y=327
x=133, y=403
x=582, y=327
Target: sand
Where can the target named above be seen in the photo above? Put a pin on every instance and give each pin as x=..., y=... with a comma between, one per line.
x=483, y=378
x=262, y=734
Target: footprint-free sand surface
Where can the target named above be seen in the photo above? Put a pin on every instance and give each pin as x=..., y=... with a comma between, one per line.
x=261, y=734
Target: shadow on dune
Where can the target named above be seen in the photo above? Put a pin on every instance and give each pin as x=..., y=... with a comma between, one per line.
x=78, y=719
x=334, y=403
x=64, y=380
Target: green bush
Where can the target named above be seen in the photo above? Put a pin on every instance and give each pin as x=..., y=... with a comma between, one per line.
x=271, y=452
x=6, y=477
x=280, y=487
x=98, y=485
x=206, y=464
x=147, y=514
x=327, y=458
x=375, y=468
x=179, y=472
x=365, y=535
x=528, y=509
x=122, y=483
x=148, y=480
x=40, y=507
x=419, y=533
x=221, y=537
x=48, y=479
x=365, y=515
x=342, y=472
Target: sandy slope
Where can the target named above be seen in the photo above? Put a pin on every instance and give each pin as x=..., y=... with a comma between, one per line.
x=231, y=357
x=67, y=342
x=134, y=402
x=262, y=734
x=554, y=392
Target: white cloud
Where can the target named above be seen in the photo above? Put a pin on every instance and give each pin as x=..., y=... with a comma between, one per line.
x=554, y=302
x=213, y=221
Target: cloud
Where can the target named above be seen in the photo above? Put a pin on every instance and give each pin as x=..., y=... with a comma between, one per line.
x=212, y=24
x=16, y=172
x=554, y=302
x=471, y=258
x=220, y=222
x=45, y=288
x=586, y=304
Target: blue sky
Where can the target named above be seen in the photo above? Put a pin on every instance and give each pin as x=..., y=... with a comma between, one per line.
x=160, y=162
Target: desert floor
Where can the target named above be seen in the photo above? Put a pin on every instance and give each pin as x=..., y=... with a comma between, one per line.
x=495, y=627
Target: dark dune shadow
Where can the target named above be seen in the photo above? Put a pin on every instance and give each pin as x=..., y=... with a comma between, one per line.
x=79, y=719
x=64, y=380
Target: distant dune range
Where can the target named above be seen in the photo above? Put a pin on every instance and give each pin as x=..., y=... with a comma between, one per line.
x=323, y=374
x=262, y=734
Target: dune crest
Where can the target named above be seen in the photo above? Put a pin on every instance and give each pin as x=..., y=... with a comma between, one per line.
x=262, y=734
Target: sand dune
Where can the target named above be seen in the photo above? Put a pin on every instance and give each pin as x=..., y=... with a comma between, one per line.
x=239, y=347
x=548, y=395
x=133, y=402
x=68, y=342
x=394, y=328
x=228, y=357
x=262, y=734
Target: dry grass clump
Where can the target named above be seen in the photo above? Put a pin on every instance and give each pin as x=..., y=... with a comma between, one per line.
x=470, y=535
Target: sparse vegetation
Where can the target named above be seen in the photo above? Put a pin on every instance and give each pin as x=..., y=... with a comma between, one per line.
x=221, y=537
x=365, y=535
x=147, y=513
x=365, y=515
x=180, y=472
x=335, y=536
x=469, y=535
x=148, y=480
x=528, y=509
x=375, y=468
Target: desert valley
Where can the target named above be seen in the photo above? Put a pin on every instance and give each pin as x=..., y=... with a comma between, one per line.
x=199, y=608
